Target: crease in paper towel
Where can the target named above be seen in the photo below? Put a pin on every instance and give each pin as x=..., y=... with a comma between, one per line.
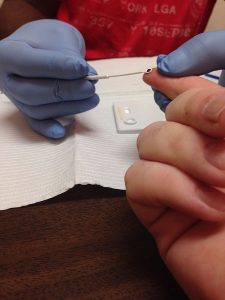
x=103, y=155
x=34, y=168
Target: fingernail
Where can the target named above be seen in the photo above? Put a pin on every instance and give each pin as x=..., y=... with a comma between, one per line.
x=214, y=108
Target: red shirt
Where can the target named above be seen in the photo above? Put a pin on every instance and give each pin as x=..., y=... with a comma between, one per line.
x=121, y=28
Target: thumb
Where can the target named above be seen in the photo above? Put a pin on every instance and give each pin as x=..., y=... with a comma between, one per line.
x=201, y=54
x=197, y=102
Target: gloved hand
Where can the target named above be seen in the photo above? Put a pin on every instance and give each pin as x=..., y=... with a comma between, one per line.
x=201, y=54
x=42, y=70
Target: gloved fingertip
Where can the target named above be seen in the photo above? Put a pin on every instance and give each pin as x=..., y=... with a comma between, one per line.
x=55, y=132
x=161, y=100
x=163, y=107
x=75, y=67
x=96, y=100
x=163, y=66
x=48, y=128
x=222, y=78
x=160, y=58
x=91, y=103
x=91, y=72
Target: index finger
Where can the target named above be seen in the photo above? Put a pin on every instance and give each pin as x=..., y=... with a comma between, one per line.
x=197, y=102
x=41, y=63
x=174, y=86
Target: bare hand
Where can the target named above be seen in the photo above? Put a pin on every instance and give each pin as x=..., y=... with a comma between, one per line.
x=176, y=188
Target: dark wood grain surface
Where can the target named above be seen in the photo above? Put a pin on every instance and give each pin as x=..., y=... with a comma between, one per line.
x=83, y=244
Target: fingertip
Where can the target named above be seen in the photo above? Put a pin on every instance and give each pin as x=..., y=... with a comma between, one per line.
x=49, y=128
x=157, y=83
x=85, y=105
x=154, y=79
x=161, y=100
x=165, y=66
x=75, y=68
x=147, y=77
x=57, y=131
x=94, y=101
x=92, y=71
x=160, y=58
x=175, y=64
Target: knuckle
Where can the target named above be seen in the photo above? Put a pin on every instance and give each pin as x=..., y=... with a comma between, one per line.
x=130, y=176
x=57, y=91
x=133, y=179
x=149, y=133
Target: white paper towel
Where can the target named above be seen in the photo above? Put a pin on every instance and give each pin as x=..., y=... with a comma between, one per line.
x=33, y=168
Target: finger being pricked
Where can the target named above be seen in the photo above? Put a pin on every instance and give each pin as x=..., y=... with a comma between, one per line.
x=196, y=102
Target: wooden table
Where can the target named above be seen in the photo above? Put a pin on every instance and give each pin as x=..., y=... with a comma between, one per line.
x=83, y=244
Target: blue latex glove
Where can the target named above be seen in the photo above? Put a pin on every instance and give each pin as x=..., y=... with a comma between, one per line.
x=201, y=54
x=42, y=70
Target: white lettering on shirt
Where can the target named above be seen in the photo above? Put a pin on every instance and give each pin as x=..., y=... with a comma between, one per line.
x=167, y=31
x=165, y=9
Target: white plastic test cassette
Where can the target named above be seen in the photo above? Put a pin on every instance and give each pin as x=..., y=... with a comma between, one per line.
x=132, y=116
